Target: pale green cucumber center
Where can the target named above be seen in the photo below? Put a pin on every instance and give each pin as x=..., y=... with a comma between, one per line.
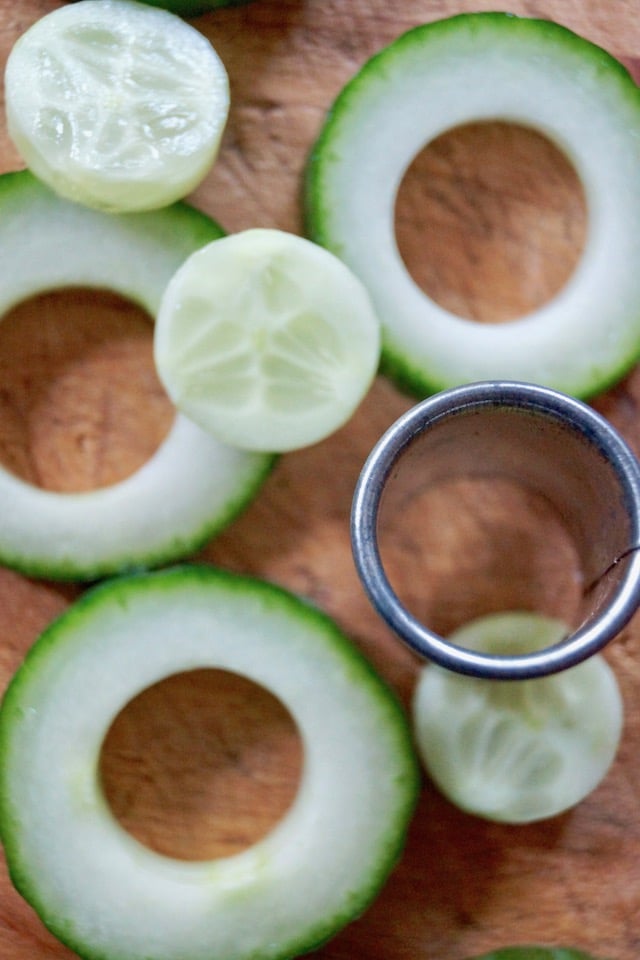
x=201, y=765
x=491, y=220
x=487, y=67
x=238, y=358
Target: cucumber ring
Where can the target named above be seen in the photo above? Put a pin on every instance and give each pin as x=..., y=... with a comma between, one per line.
x=266, y=340
x=106, y=895
x=115, y=104
x=195, y=8
x=469, y=68
x=193, y=485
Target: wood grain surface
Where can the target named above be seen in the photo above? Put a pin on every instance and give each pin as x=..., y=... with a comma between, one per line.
x=205, y=763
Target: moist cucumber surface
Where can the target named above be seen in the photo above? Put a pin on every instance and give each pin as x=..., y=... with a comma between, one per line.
x=193, y=485
x=106, y=895
x=266, y=340
x=116, y=104
x=470, y=68
x=522, y=750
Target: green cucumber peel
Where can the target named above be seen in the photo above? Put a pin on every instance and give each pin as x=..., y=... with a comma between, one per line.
x=535, y=953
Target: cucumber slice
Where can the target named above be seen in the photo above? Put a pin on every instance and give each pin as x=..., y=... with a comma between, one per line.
x=470, y=68
x=517, y=751
x=116, y=104
x=266, y=340
x=193, y=485
x=105, y=894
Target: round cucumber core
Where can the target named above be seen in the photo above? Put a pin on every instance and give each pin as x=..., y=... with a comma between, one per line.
x=468, y=69
x=266, y=340
x=104, y=894
x=522, y=750
x=116, y=104
x=193, y=485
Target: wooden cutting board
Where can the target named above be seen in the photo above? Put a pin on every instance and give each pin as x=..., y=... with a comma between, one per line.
x=80, y=407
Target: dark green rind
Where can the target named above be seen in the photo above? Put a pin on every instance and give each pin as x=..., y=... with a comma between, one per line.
x=325, y=152
x=535, y=953
x=194, y=8
x=21, y=187
x=18, y=186
x=118, y=591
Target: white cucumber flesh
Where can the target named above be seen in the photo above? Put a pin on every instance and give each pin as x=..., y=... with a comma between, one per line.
x=116, y=104
x=194, y=8
x=193, y=485
x=472, y=68
x=522, y=750
x=108, y=896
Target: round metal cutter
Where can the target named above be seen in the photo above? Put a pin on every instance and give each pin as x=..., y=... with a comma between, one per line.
x=550, y=443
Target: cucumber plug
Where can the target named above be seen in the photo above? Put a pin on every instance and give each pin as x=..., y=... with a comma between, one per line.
x=522, y=750
x=266, y=340
x=194, y=8
x=115, y=104
x=193, y=485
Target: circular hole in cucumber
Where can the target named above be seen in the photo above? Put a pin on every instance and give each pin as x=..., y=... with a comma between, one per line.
x=201, y=765
x=81, y=406
x=471, y=546
x=491, y=220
